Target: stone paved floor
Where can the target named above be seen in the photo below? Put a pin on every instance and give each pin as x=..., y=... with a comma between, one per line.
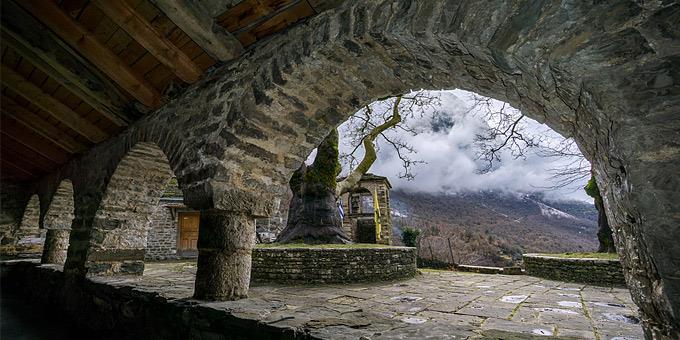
x=436, y=305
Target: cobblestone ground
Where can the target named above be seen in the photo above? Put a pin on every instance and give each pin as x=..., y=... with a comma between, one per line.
x=434, y=305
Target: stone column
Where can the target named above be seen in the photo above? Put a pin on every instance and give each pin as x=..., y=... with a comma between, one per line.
x=56, y=246
x=225, y=243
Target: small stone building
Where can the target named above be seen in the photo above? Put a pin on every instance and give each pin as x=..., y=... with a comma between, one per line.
x=358, y=206
x=173, y=228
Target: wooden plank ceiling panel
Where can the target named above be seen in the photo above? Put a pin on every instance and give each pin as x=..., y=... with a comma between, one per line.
x=140, y=30
x=88, y=45
x=46, y=102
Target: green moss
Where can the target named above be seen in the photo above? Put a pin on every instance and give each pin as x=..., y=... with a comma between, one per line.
x=605, y=256
x=326, y=168
x=592, y=190
x=304, y=245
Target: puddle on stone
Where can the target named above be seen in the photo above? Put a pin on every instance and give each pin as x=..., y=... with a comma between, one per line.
x=567, y=288
x=541, y=331
x=483, y=286
x=569, y=295
x=488, y=291
x=572, y=304
x=407, y=298
x=414, y=320
x=555, y=310
x=514, y=298
x=607, y=304
x=623, y=338
x=539, y=286
x=622, y=318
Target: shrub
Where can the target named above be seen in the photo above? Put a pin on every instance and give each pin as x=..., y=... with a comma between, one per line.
x=410, y=236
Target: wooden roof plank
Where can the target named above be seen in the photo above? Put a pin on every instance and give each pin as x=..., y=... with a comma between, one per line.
x=9, y=146
x=40, y=126
x=191, y=18
x=44, y=50
x=49, y=104
x=18, y=168
x=142, y=32
x=27, y=138
x=84, y=42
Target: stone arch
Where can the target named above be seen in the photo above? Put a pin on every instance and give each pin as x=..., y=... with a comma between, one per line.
x=608, y=81
x=119, y=228
x=57, y=222
x=29, y=236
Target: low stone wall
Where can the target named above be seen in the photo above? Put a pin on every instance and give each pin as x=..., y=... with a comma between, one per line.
x=103, y=311
x=582, y=270
x=332, y=265
x=489, y=270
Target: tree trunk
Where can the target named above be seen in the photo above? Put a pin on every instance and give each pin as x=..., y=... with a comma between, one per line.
x=604, y=232
x=313, y=216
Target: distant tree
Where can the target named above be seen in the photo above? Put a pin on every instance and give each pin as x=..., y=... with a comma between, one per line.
x=604, y=232
x=410, y=236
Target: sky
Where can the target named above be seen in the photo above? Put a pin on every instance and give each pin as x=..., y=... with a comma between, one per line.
x=450, y=155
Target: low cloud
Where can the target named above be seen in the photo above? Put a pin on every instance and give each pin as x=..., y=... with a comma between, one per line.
x=450, y=155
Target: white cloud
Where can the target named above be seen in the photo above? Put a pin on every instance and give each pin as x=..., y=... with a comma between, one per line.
x=450, y=158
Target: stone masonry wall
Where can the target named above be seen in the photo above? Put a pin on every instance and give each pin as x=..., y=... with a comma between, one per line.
x=162, y=240
x=590, y=271
x=332, y=265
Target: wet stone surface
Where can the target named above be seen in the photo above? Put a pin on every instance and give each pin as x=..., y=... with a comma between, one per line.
x=436, y=304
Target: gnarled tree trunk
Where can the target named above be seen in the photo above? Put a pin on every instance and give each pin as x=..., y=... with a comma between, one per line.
x=313, y=216
x=604, y=231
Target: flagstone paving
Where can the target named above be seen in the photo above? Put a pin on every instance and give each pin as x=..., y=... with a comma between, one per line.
x=434, y=305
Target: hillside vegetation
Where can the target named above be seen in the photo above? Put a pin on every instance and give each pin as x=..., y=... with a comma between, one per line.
x=491, y=228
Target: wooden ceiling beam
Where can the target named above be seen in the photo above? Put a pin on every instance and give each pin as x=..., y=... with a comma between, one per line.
x=17, y=168
x=39, y=125
x=33, y=41
x=14, y=130
x=197, y=23
x=141, y=31
x=94, y=51
x=49, y=104
x=11, y=147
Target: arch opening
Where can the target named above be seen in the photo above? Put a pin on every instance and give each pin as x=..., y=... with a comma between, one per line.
x=119, y=232
x=57, y=222
x=29, y=237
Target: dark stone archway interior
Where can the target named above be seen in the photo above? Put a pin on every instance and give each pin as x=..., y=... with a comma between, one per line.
x=606, y=74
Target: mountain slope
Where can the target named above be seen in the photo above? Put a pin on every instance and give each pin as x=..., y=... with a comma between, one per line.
x=492, y=228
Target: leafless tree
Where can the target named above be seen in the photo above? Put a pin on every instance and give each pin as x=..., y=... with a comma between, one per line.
x=377, y=125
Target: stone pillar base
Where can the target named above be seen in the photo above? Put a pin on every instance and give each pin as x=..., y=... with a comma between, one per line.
x=225, y=243
x=56, y=246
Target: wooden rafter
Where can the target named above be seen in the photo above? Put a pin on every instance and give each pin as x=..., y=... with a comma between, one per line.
x=33, y=41
x=17, y=168
x=11, y=148
x=99, y=55
x=40, y=126
x=49, y=104
x=20, y=134
x=191, y=18
x=141, y=30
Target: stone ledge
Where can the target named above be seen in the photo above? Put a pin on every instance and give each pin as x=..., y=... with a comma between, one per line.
x=332, y=265
x=583, y=270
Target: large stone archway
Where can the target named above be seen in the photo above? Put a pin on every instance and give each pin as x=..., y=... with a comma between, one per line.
x=606, y=74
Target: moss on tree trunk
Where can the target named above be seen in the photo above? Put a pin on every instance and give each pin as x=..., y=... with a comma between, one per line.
x=313, y=216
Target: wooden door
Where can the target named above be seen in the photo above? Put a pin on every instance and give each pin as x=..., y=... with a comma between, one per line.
x=188, y=233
